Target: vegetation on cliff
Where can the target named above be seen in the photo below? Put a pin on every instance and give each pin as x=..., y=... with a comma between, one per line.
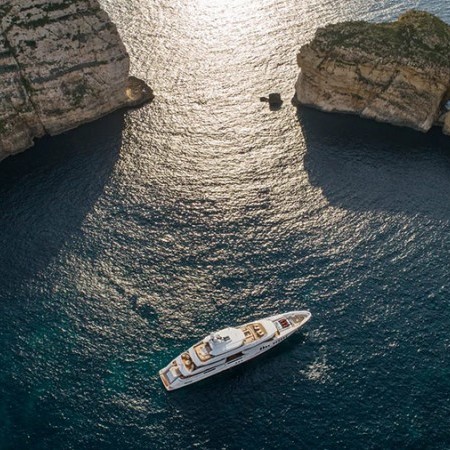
x=62, y=64
x=417, y=36
x=396, y=72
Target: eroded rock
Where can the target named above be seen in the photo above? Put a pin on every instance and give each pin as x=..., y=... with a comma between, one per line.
x=446, y=125
x=395, y=72
x=62, y=64
x=274, y=100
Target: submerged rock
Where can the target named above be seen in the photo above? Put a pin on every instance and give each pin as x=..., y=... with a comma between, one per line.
x=62, y=64
x=395, y=72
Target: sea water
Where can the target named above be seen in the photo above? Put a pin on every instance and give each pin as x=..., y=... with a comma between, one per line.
x=126, y=240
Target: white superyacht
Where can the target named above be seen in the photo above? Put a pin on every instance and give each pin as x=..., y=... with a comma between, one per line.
x=229, y=347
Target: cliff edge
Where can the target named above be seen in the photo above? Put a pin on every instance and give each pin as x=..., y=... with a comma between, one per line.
x=395, y=72
x=62, y=64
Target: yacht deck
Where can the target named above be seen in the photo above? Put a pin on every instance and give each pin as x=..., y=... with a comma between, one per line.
x=253, y=332
x=203, y=350
x=188, y=363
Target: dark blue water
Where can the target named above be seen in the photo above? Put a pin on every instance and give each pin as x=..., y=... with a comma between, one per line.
x=126, y=240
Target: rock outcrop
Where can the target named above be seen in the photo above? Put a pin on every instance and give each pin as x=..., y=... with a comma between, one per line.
x=62, y=64
x=274, y=100
x=395, y=72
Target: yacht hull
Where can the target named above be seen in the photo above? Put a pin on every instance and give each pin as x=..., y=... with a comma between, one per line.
x=246, y=353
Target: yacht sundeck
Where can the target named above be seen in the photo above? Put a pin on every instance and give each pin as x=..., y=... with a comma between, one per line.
x=229, y=347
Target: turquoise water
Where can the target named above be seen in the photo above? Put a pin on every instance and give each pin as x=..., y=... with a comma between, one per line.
x=126, y=240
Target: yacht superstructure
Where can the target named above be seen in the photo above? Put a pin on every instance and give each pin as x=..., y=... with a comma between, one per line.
x=229, y=347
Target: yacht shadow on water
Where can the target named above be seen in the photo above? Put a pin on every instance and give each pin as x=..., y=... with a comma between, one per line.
x=362, y=165
x=47, y=191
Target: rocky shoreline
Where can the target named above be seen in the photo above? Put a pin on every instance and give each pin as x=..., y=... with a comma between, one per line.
x=396, y=72
x=62, y=64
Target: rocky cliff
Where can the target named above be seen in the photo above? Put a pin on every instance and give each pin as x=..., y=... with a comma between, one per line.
x=392, y=72
x=62, y=63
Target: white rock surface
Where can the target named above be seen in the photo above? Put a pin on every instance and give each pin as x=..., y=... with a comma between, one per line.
x=395, y=72
x=62, y=64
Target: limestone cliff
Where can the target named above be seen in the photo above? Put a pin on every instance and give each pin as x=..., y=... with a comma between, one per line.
x=62, y=63
x=392, y=72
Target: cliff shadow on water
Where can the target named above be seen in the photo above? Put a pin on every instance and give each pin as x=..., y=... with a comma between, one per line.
x=363, y=165
x=45, y=194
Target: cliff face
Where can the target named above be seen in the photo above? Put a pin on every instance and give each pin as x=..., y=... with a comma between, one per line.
x=394, y=72
x=62, y=63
